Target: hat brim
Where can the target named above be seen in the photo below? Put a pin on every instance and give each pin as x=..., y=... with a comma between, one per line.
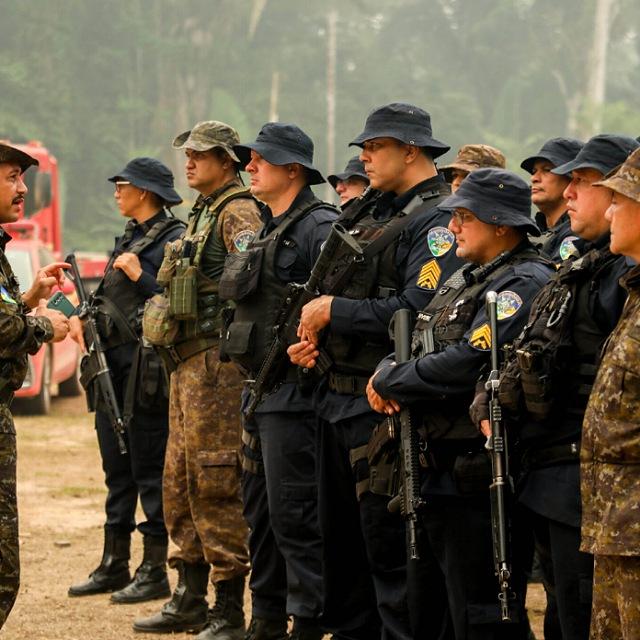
x=620, y=185
x=183, y=141
x=166, y=194
x=278, y=156
x=566, y=168
x=9, y=154
x=485, y=211
x=334, y=178
x=436, y=147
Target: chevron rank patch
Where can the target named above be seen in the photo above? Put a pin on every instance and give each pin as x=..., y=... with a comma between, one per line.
x=440, y=240
x=242, y=239
x=429, y=275
x=568, y=249
x=508, y=304
x=481, y=338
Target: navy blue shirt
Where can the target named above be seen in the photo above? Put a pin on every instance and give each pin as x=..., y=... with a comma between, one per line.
x=295, y=259
x=559, y=242
x=425, y=258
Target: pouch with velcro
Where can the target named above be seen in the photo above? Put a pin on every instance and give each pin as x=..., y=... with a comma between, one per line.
x=241, y=274
x=159, y=326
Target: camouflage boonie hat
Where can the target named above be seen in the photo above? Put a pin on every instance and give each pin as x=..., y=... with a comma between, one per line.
x=474, y=156
x=626, y=178
x=208, y=135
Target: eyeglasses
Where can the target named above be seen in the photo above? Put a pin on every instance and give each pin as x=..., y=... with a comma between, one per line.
x=462, y=217
x=120, y=184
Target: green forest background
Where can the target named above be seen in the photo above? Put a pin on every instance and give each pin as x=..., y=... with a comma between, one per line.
x=99, y=82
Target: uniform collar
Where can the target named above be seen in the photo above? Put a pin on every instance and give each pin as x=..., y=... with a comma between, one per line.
x=304, y=195
x=541, y=221
x=205, y=201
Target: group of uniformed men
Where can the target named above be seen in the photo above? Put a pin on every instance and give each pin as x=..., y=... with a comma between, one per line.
x=281, y=452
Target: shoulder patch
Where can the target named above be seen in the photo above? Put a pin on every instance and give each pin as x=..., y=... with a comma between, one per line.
x=568, y=249
x=429, y=275
x=508, y=304
x=440, y=241
x=242, y=239
x=481, y=337
x=4, y=295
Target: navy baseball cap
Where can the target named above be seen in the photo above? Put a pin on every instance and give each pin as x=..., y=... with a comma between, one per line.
x=354, y=169
x=603, y=153
x=151, y=175
x=280, y=143
x=495, y=196
x=16, y=156
x=557, y=151
x=404, y=122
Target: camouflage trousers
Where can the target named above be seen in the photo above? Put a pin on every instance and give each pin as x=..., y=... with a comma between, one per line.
x=615, y=614
x=201, y=480
x=9, y=548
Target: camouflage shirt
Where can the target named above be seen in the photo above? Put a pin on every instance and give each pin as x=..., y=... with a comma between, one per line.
x=610, y=456
x=20, y=334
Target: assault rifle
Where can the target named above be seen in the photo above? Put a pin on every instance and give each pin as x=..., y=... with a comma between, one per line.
x=285, y=330
x=87, y=313
x=500, y=484
x=408, y=501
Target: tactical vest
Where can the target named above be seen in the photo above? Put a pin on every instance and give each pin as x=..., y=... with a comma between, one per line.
x=119, y=300
x=250, y=279
x=552, y=365
x=446, y=320
x=194, y=300
x=375, y=276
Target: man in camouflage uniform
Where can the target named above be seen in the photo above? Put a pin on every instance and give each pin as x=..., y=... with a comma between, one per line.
x=471, y=157
x=547, y=193
x=610, y=455
x=20, y=334
x=202, y=503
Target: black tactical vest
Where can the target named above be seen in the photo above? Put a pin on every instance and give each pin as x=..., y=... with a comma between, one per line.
x=119, y=300
x=375, y=276
x=445, y=321
x=250, y=279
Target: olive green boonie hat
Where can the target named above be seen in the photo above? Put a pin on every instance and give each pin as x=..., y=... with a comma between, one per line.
x=474, y=156
x=207, y=135
x=626, y=178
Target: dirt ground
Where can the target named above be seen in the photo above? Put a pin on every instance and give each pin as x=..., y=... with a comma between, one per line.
x=61, y=496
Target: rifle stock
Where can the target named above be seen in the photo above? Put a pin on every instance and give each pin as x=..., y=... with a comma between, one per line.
x=500, y=487
x=285, y=331
x=408, y=501
x=103, y=376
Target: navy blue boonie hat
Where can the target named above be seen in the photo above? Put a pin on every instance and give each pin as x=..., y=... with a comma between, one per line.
x=603, y=153
x=404, y=122
x=151, y=175
x=280, y=143
x=354, y=169
x=495, y=196
x=557, y=151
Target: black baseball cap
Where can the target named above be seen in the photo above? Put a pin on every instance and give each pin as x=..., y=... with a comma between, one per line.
x=557, y=151
x=151, y=175
x=354, y=169
x=495, y=196
x=603, y=153
x=280, y=143
x=404, y=122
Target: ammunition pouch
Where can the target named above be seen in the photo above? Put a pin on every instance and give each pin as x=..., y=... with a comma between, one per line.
x=183, y=293
x=89, y=369
x=472, y=473
x=383, y=458
x=149, y=381
x=241, y=274
x=238, y=343
x=159, y=326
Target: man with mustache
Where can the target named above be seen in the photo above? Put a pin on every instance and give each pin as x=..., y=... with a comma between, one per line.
x=20, y=334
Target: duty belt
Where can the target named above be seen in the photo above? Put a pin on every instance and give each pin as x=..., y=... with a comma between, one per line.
x=355, y=385
x=184, y=350
x=566, y=453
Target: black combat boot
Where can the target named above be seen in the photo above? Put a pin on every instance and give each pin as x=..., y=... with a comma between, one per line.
x=113, y=571
x=306, y=629
x=187, y=609
x=226, y=618
x=150, y=579
x=261, y=629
